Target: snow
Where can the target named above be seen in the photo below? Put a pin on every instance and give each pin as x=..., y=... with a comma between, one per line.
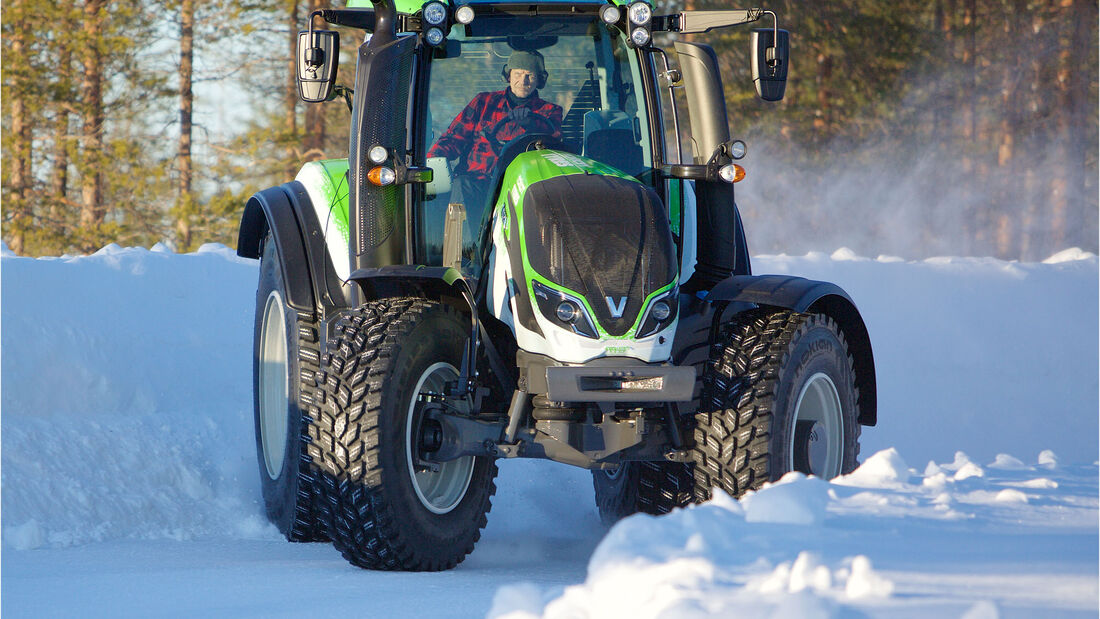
x=130, y=485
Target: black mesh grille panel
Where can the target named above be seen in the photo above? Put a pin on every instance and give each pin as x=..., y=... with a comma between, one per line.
x=605, y=237
x=383, y=122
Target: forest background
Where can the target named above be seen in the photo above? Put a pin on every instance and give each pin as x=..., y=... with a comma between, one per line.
x=938, y=127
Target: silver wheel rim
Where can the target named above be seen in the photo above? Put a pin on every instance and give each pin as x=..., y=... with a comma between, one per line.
x=273, y=387
x=440, y=491
x=817, y=430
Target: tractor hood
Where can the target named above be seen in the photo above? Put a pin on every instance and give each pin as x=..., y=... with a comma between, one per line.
x=581, y=230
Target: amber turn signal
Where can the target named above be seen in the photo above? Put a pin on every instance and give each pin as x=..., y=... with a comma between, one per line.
x=731, y=173
x=381, y=176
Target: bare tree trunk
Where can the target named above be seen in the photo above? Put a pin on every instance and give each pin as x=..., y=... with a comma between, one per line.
x=291, y=100
x=21, y=143
x=1010, y=186
x=185, y=201
x=1072, y=226
x=313, y=142
x=92, y=211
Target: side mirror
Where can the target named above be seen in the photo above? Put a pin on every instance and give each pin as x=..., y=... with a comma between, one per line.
x=318, y=57
x=771, y=52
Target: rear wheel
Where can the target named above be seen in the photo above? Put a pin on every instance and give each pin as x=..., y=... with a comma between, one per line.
x=285, y=363
x=779, y=396
x=648, y=487
x=383, y=508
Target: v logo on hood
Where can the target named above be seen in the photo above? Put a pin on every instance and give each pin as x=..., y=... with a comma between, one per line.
x=617, y=309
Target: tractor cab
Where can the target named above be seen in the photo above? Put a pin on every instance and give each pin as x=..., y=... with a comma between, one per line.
x=589, y=91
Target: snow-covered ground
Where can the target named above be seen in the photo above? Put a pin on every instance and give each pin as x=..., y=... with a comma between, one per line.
x=130, y=486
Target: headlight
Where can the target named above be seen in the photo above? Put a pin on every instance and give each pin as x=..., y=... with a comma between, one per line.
x=464, y=15
x=568, y=311
x=640, y=13
x=640, y=36
x=610, y=14
x=377, y=155
x=659, y=315
x=738, y=149
x=564, y=310
x=435, y=13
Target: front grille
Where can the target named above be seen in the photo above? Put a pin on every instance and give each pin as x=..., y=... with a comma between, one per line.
x=604, y=237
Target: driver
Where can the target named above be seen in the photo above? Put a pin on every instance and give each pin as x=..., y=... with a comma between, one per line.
x=465, y=139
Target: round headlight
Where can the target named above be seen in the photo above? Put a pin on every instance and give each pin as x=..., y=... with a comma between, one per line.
x=434, y=36
x=377, y=154
x=640, y=13
x=435, y=13
x=464, y=15
x=568, y=311
x=610, y=14
x=640, y=36
x=738, y=149
x=661, y=310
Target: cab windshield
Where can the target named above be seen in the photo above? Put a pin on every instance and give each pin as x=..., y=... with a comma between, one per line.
x=589, y=101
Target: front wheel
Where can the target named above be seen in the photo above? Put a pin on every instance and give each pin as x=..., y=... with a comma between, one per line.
x=385, y=508
x=779, y=395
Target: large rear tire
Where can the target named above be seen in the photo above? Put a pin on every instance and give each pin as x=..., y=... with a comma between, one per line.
x=284, y=367
x=654, y=488
x=381, y=509
x=779, y=395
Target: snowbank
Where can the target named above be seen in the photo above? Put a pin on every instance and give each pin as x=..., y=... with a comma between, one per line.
x=804, y=547
x=126, y=415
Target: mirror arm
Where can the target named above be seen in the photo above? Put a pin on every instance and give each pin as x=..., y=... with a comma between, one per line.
x=339, y=90
x=771, y=60
x=315, y=56
x=697, y=22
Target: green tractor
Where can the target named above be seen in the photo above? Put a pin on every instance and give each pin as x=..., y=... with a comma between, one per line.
x=513, y=262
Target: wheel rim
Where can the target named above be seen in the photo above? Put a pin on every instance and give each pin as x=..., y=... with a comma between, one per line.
x=817, y=435
x=274, y=387
x=439, y=491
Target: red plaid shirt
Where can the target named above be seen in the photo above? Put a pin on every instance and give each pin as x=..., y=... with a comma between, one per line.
x=464, y=137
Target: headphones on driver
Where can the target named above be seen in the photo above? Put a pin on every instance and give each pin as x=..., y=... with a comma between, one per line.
x=540, y=75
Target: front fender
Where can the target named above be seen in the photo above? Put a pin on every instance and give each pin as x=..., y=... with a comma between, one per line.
x=272, y=209
x=813, y=297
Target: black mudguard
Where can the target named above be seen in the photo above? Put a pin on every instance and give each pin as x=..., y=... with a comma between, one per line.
x=814, y=297
x=288, y=212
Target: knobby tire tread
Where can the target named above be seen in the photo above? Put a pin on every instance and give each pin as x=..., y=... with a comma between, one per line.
x=346, y=447
x=733, y=427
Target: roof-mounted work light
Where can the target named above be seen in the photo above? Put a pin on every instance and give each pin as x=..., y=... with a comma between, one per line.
x=639, y=17
x=434, y=17
x=434, y=13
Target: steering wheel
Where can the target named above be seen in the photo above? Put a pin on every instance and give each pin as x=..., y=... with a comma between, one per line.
x=531, y=119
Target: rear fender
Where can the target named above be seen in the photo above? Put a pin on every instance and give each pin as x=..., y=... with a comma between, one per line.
x=813, y=297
